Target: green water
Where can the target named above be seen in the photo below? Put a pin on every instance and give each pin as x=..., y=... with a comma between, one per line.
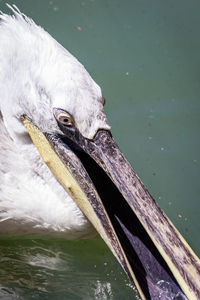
x=146, y=57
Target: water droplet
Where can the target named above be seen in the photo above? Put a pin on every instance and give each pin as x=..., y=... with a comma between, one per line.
x=79, y=28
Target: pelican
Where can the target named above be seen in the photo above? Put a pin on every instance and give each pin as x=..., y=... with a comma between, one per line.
x=63, y=174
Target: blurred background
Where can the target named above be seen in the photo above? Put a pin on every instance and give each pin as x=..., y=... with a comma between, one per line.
x=145, y=55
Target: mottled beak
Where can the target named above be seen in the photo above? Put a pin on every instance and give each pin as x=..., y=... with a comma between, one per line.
x=106, y=188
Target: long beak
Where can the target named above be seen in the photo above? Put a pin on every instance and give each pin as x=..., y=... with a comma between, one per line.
x=103, y=184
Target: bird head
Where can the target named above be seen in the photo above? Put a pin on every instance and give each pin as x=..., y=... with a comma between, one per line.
x=39, y=75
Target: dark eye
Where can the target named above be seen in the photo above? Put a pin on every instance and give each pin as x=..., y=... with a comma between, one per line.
x=65, y=119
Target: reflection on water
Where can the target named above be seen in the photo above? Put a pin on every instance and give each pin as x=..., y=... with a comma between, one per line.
x=59, y=269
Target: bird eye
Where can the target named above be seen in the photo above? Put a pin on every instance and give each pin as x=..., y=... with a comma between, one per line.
x=65, y=119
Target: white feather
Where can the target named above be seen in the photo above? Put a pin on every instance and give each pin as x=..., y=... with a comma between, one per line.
x=38, y=74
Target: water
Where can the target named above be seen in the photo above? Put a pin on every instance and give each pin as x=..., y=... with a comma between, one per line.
x=145, y=56
x=56, y=269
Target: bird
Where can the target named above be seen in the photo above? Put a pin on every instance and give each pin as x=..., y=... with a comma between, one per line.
x=26, y=182
x=62, y=174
